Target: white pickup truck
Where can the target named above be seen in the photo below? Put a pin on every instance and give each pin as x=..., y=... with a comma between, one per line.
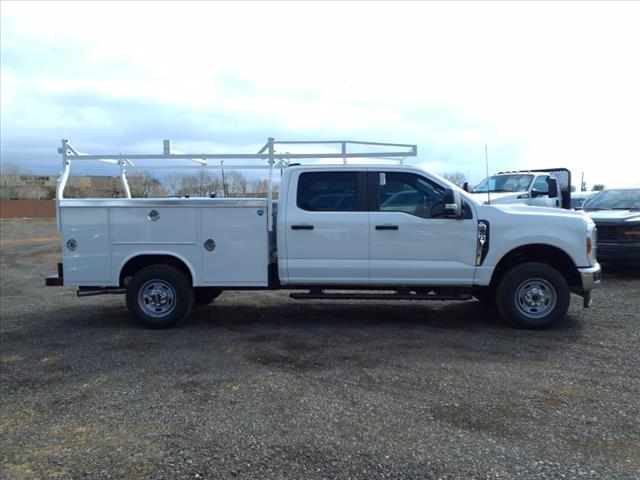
x=340, y=231
x=540, y=188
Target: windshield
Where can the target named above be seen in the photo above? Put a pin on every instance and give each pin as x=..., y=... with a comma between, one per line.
x=504, y=183
x=614, y=200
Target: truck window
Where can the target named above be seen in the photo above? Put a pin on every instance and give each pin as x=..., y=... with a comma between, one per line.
x=541, y=185
x=504, y=183
x=409, y=193
x=328, y=191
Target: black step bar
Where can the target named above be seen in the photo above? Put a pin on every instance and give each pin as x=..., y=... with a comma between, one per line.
x=319, y=295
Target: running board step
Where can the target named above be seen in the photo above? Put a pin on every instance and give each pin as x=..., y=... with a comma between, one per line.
x=377, y=296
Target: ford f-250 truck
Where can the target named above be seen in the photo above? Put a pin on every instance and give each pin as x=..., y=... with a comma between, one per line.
x=346, y=231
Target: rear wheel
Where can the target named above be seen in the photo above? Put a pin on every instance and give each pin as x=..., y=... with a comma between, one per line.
x=533, y=296
x=159, y=296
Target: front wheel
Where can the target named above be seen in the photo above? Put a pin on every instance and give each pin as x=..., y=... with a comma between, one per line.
x=533, y=296
x=159, y=296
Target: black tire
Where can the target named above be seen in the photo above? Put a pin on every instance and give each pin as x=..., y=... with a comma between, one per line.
x=153, y=285
x=205, y=295
x=533, y=296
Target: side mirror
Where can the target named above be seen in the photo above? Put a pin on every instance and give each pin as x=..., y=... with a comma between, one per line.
x=553, y=187
x=452, y=203
x=465, y=186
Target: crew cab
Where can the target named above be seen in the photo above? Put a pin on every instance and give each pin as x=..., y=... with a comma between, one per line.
x=346, y=231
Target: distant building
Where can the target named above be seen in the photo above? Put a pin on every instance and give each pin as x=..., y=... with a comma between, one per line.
x=41, y=187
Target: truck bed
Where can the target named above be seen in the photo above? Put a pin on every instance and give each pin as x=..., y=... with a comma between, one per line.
x=99, y=237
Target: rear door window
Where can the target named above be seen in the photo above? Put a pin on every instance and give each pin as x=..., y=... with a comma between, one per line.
x=331, y=191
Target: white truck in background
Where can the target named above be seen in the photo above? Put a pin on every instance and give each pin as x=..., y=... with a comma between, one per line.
x=541, y=188
x=371, y=231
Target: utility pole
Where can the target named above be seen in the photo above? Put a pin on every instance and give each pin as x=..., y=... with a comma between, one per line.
x=224, y=184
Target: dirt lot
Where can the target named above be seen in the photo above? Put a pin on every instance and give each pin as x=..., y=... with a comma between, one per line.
x=259, y=386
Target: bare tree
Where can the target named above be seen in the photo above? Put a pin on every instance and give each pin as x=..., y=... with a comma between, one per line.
x=11, y=185
x=76, y=188
x=144, y=185
x=171, y=184
x=17, y=183
x=201, y=184
x=204, y=183
x=235, y=184
x=457, y=178
x=257, y=187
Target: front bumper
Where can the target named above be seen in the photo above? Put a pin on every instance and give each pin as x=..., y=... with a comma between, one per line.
x=590, y=278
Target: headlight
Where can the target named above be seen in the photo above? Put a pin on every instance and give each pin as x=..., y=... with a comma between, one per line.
x=592, y=244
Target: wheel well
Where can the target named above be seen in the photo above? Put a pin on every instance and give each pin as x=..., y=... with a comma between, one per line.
x=546, y=254
x=135, y=264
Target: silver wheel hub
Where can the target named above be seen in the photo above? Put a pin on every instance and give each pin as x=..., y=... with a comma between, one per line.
x=536, y=298
x=157, y=298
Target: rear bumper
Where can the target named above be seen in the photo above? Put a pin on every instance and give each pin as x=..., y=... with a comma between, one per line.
x=590, y=278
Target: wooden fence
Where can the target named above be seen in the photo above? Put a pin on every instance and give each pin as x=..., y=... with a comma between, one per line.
x=27, y=208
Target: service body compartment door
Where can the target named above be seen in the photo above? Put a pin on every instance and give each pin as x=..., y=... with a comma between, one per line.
x=86, y=252
x=154, y=229
x=327, y=228
x=412, y=242
x=234, y=245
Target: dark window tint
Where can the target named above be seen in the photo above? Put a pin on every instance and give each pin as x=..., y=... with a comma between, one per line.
x=410, y=193
x=328, y=191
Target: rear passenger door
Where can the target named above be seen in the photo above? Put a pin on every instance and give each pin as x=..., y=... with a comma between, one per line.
x=327, y=228
x=412, y=241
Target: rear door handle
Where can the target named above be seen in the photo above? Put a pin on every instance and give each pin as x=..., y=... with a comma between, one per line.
x=301, y=227
x=387, y=227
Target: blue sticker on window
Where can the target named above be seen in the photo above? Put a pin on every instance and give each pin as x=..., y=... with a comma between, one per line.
x=260, y=213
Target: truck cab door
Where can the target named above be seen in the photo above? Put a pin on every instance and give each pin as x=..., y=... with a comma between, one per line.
x=539, y=195
x=412, y=241
x=326, y=229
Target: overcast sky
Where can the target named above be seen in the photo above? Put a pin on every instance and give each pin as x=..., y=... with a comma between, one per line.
x=542, y=84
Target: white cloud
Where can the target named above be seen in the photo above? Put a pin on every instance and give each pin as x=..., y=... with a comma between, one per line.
x=541, y=84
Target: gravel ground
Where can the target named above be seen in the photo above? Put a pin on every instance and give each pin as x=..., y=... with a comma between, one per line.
x=260, y=386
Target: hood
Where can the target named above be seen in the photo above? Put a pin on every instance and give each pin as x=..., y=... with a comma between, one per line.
x=522, y=209
x=499, y=197
x=613, y=215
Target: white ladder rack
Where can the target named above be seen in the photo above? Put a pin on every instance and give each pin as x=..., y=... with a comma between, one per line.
x=388, y=151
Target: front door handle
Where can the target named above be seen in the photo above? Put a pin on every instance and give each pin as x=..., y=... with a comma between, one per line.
x=301, y=227
x=387, y=227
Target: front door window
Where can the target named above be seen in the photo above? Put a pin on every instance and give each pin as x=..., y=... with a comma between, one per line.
x=410, y=193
